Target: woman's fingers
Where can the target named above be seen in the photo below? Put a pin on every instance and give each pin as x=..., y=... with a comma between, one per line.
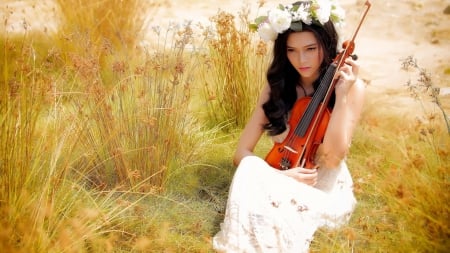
x=307, y=176
x=352, y=66
x=347, y=75
x=306, y=171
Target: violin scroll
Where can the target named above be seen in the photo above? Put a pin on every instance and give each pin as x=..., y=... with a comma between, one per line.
x=347, y=52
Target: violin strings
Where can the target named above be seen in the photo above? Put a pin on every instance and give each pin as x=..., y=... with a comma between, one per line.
x=309, y=113
x=315, y=101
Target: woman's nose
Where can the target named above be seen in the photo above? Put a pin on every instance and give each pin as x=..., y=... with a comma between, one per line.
x=301, y=57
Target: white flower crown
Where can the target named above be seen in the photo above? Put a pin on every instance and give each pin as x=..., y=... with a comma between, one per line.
x=291, y=16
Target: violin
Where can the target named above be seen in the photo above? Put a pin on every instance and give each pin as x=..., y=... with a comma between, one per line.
x=310, y=116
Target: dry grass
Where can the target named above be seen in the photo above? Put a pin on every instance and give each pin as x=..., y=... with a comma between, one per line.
x=235, y=71
x=119, y=22
x=91, y=128
x=424, y=87
x=107, y=148
x=400, y=173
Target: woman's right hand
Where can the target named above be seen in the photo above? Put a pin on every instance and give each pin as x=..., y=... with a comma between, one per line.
x=306, y=176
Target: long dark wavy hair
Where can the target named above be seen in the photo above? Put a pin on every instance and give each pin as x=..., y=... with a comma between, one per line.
x=283, y=78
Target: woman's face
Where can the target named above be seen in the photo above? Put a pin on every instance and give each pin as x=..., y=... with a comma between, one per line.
x=305, y=55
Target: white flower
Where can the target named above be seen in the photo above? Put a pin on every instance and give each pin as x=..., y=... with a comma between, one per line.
x=337, y=14
x=280, y=20
x=266, y=32
x=302, y=14
x=324, y=10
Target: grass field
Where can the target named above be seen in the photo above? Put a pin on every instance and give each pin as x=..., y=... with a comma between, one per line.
x=107, y=146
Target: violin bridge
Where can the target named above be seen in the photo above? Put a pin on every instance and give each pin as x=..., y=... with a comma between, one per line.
x=291, y=149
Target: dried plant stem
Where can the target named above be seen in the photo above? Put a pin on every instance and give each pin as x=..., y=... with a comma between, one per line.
x=424, y=85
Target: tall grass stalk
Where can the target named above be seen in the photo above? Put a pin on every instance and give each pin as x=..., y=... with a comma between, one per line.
x=77, y=117
x=139, y=128
x=119, y=22
x=35, y=197
x=424, y=86
x=133, y=118
x=234, y=71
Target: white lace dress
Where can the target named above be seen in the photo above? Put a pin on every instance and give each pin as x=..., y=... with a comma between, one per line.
x=270, y=212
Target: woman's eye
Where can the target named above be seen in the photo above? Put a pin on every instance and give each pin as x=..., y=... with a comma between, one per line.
x=311, y=48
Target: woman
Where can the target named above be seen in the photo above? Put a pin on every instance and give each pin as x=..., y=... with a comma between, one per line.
x=272, y=210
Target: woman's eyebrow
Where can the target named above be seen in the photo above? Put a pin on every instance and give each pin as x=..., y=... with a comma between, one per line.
x=311, y=45
x=308, y=45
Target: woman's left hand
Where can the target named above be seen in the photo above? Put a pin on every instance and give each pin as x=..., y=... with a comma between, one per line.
x=346, y=76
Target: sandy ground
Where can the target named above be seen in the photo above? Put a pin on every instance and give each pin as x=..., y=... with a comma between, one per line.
x=392, y=31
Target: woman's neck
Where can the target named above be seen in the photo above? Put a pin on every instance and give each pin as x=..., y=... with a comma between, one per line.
x=309, y=81
x=307, y=85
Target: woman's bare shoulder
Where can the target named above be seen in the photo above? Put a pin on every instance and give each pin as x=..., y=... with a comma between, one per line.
x=264, y=95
